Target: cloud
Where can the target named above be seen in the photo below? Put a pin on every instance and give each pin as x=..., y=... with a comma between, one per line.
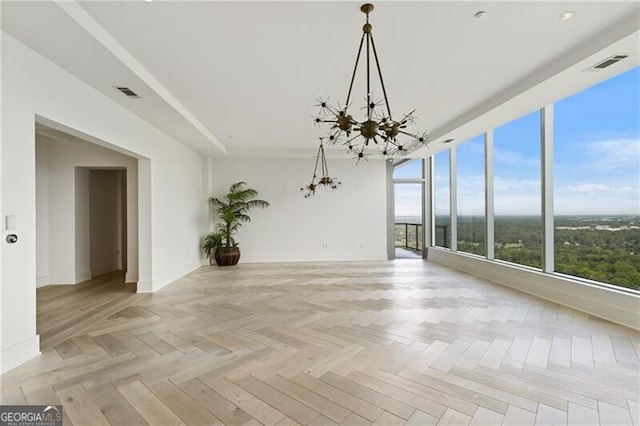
x=408, y=199
x=507, y=157
x=598, y=189
x=600, y=177
x=568, y=203
x=441, y=176
x=629, y=146
x=513, y=158
x=470, y=183
x=592, y=198
x=514, y=196
x=617, y=154
x=471, y=196
x=502, y=185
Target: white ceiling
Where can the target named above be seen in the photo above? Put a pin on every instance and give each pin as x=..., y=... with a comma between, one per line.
x=232, y=78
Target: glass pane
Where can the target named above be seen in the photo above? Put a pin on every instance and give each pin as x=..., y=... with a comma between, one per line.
x=596, y=182
x=441, y=200
x=408, y=214
x=517, y=191
x=401, y=235
x=412, y=237
x=470, y=175
x=409, y=170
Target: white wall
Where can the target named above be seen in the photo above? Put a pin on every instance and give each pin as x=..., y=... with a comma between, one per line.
x=81, y=221
x=348, y=223
x=24, y=349
x=42, y=215
x=34, y=87
x=104, y=212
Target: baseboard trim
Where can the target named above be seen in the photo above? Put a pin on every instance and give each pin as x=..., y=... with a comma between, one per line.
x=150, y=286
x=62, y=280
x=296, y=257
x=103, y=269
x=131, y=276
x=315, y=257
x=145, y=286
x=17, y=354
x=83, y=276
x=157, y=284
x=42, y=281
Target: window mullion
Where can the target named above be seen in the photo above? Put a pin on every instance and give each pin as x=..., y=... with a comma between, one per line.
x=546, y=148
x=489, y=195
x=453, y=198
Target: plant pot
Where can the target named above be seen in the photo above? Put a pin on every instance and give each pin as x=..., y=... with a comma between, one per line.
x=227, y=256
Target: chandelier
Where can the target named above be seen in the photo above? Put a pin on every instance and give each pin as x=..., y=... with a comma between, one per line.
x=378, y=127
x=324, y=180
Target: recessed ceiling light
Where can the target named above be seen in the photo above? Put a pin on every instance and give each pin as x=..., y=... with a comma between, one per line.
x=566, y=15
x=448, y=141
x=148, y=1
x=480, y=14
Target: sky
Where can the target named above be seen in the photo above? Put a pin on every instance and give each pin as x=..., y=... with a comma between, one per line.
x=596, y=159
x=407, y=195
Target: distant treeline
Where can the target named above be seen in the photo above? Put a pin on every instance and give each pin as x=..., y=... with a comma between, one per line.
x=600, y=248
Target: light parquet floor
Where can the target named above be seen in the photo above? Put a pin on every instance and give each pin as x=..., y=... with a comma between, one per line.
x=355, y=343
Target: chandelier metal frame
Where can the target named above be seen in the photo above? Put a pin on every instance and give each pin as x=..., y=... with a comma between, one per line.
x=379, y=127
x=325, y=179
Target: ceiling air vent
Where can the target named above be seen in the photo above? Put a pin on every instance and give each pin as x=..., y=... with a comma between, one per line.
x=448, y=141
x=607, y=62
x=130, y=93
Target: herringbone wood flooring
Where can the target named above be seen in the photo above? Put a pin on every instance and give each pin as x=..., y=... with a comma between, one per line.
x=402, y=342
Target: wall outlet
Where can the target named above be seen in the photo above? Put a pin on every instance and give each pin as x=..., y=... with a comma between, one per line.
x=325, y=245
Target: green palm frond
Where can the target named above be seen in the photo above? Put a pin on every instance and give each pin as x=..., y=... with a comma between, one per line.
x=232, y=211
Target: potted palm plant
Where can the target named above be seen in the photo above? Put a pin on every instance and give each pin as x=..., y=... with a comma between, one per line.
x=232, y=212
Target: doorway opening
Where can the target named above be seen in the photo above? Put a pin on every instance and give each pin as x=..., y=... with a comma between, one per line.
x=86, y=227
x=408, y=190
x=107, y=220
x=86, y=209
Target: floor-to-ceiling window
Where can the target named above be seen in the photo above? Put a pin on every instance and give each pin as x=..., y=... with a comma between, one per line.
x=596, y=182
x=516, y=185
x=470, y=196
x=595, y=190
x=441, y=201
x=408, y=180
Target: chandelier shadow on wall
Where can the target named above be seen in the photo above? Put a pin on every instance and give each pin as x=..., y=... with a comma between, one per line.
x=378, y=132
